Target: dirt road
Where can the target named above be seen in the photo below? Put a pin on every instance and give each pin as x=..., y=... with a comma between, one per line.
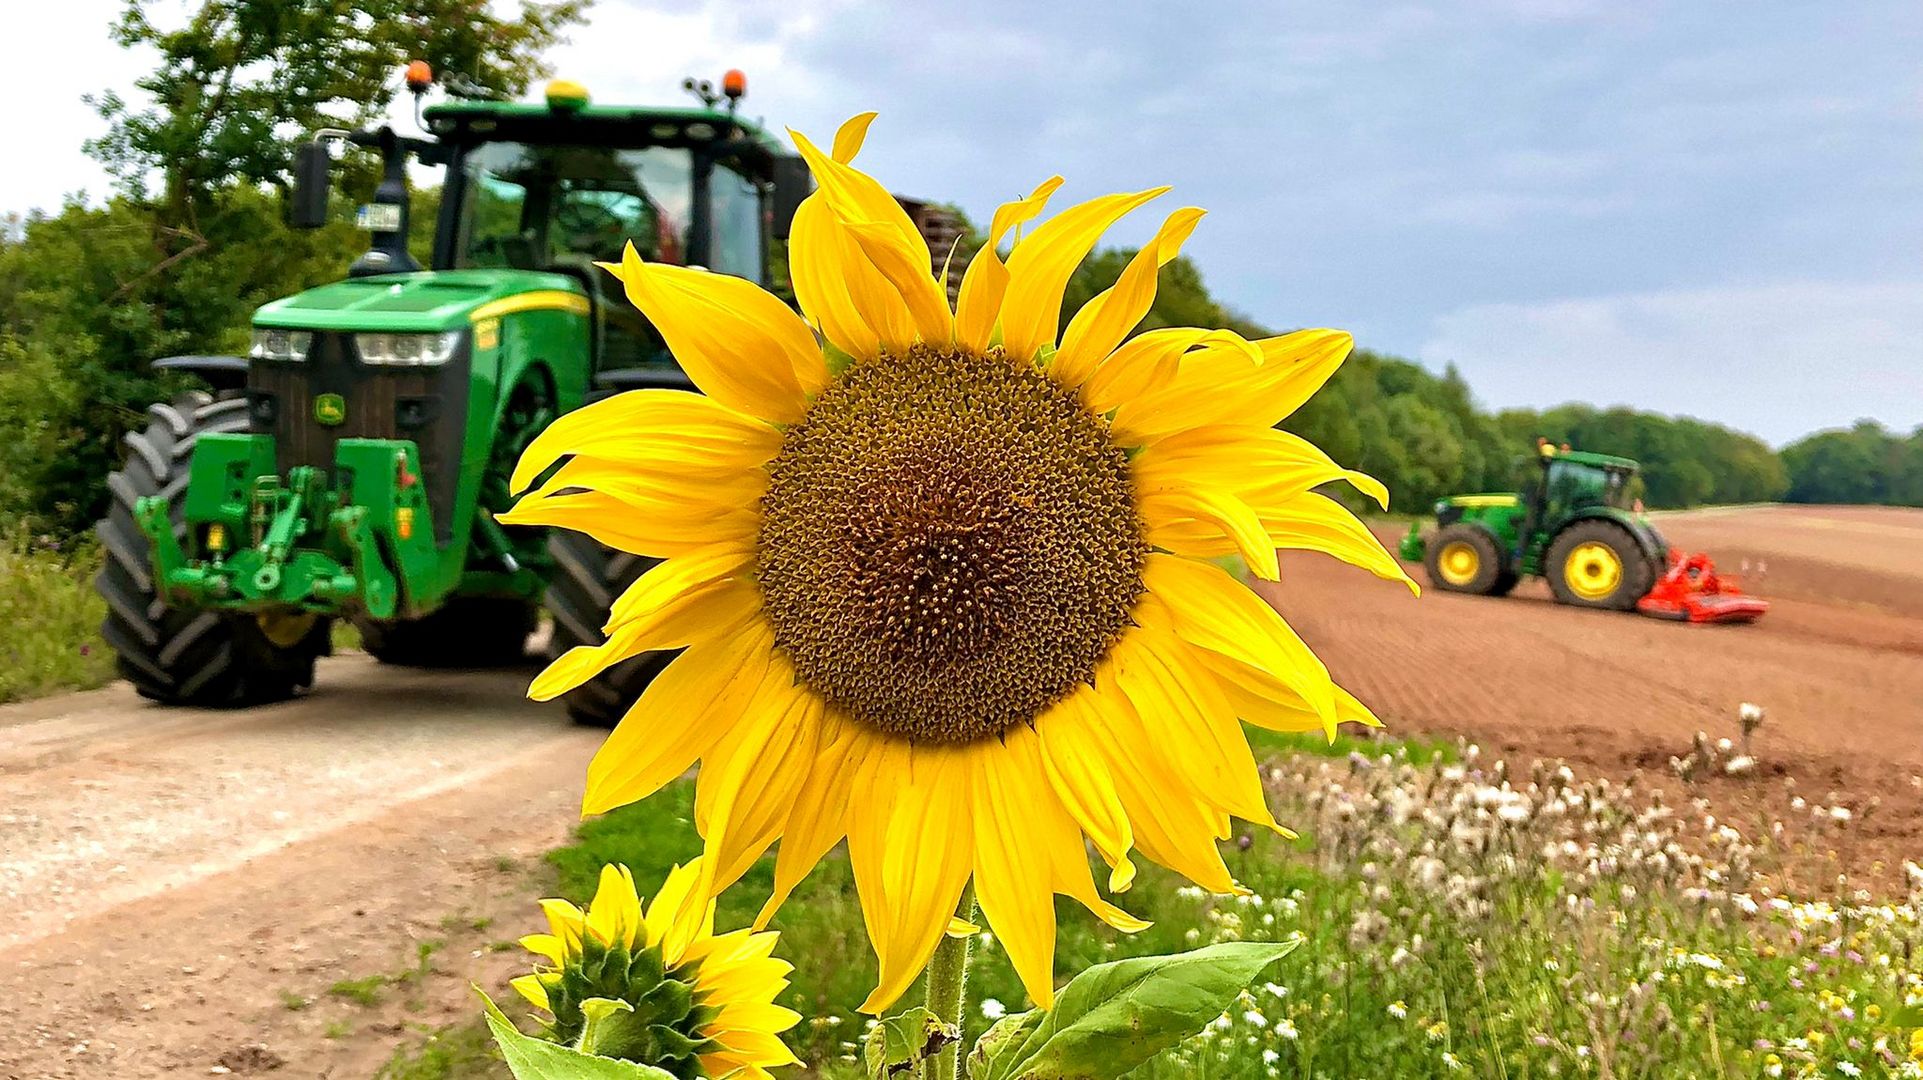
x=180, y=890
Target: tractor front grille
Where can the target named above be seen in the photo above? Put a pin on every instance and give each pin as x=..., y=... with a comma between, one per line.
x=427, y=405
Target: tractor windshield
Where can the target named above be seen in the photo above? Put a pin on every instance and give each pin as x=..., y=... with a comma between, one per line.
x=547, y=207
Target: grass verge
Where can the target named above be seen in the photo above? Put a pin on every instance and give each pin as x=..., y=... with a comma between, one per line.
x=1456, y=921
x=53, y=616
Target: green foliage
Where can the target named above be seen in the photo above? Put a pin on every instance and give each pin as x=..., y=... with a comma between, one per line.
x=364, y=991
x=530, y=1058
x=1117, y=1015
x=53, y=615
x=1867, y=463
x=462, y=1051
x=244, y=80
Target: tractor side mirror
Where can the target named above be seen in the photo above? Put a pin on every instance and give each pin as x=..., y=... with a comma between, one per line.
x=792, y=184
x=313, y=170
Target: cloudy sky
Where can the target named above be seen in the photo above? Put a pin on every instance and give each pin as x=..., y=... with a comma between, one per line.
x=1708, y=208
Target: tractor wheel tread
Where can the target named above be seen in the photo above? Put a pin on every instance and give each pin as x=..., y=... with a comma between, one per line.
x=587, y=578
x=1489, y=561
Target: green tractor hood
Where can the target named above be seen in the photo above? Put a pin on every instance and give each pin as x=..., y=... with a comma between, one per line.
x=424, y=302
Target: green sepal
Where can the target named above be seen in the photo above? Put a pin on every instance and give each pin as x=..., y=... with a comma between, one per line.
x=529, y=1058
x=671, y=1045
x=838, y=361
x=899, y=1044
x=1115, y=1016
x=669, y=1002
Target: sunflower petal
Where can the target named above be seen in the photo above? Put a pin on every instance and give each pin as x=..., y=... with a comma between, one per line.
x=819, y=818
x=979, y=305
x=613, y=522
x=1213, y=611
x=693, y=613
x=739, y=344
x=838, y=289
x=1145, y=363
x=1015, y=830
x=1040, y=266
x=887, y=238
x=1197, y=727
x=1219, y=386
x=1225, y=511
x=926, y=300
x=1078, y=770
x=909, y=840
x=1171, y=826
x=683, y=712
x=749, y=781
x=648, y=427
x=1103, y=322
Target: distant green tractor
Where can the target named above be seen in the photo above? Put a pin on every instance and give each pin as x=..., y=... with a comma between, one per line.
x=1575, y=524
x=1578, y=525
x=351, y=465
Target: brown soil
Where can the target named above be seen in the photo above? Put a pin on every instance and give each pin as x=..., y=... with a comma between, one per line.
x=1837, y=662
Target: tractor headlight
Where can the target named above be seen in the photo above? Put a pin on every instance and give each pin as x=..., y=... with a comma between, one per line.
x=407, y=350
x=271, y=344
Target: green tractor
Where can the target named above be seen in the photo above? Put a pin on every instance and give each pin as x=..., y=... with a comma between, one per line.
x=1575, y=524
x=350, y=467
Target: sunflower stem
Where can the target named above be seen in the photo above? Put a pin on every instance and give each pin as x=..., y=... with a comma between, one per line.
x=948, y=986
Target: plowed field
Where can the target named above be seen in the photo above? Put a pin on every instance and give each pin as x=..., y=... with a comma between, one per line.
x=1838, y=661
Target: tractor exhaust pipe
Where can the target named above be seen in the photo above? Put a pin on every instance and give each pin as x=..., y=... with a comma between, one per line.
x=386, y=216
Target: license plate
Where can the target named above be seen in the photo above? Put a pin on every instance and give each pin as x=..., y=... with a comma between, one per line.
x=378, y=217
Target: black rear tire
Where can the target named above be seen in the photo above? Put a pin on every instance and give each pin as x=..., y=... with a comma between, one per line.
x=184, y=657
x=587, y=579
x=1487, y=572
x=1633, y=581
x=464, y=632
x=1505, y=583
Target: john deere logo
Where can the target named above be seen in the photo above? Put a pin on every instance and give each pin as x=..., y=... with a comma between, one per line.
x=330, y=409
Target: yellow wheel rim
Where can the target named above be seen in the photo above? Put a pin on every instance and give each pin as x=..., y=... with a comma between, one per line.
x=1593, y=570
x=1459, y=562
x=285, y=628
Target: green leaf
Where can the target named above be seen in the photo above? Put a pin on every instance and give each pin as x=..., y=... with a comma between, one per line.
x=529, y=1058
x=1007, y=1034
x=899, y=1044
x=1115, y=1016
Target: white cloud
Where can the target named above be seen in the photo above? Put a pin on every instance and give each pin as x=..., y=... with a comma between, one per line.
x=1777, y=359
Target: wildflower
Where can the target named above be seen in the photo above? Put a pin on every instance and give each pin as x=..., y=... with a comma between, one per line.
x=1437, y=1031
x=699, y=1002
x=1286, y=1029
x=993, y=1009
x=1916, y=1045
x=1848, y=1068
x=1772, y=1065
x=1452, y=1061
x=1398, y=1010
x=950, y=597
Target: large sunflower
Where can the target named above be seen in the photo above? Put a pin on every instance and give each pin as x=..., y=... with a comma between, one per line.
x=942, y=582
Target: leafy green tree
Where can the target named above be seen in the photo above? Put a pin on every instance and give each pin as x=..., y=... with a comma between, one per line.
x=244, y=80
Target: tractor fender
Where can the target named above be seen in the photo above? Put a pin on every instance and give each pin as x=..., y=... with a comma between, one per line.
x=220, y=372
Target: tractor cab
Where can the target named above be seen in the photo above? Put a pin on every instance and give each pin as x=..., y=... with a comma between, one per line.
x=558, y=187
